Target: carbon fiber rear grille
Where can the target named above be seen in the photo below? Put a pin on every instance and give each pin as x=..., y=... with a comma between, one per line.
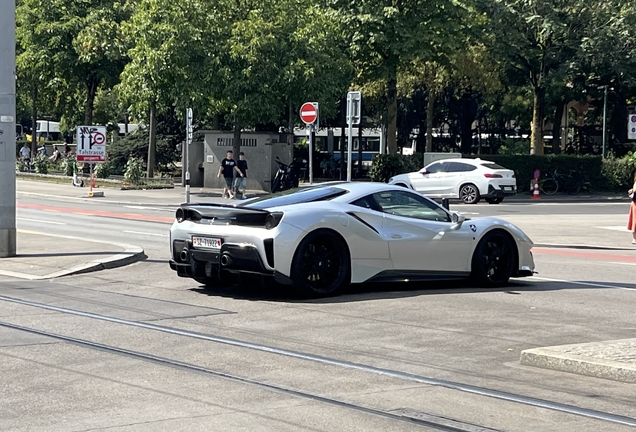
x=177, y=247
x=269, y=251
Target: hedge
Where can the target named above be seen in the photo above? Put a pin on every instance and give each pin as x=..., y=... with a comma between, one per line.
x=610, y=174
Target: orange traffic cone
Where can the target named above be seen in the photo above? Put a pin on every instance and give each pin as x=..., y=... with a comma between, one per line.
x=93, y=181
x=535, y=193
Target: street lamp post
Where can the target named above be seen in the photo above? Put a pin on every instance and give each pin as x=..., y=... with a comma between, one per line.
x=604, y=117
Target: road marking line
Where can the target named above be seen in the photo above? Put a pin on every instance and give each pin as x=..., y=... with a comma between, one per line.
x=624, y=263
x=620, y=228
x=582, y=283
x=41, y=221
x=142, y=207
x=146, y=233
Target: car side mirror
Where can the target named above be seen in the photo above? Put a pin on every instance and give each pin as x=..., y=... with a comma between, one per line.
x=457, y=219
x=424, y=172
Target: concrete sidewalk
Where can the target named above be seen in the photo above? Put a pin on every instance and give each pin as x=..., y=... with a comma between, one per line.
x=46, y=256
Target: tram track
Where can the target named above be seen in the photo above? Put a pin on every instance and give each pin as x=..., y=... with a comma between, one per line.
x=457, y=386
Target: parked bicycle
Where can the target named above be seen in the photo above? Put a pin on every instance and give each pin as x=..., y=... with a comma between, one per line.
x=570, y=184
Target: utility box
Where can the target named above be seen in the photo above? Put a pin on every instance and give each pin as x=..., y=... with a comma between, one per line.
x=260, y=148
x=434, y=156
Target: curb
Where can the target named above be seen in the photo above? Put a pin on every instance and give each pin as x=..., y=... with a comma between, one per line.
x=130, y=255
x=589, y=359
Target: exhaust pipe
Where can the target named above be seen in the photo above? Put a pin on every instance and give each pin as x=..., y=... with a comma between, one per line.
x=226, y=260
x=183, y=256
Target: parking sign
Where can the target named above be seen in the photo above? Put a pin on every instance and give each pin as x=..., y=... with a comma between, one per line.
x=91, y=143
x=631, y=127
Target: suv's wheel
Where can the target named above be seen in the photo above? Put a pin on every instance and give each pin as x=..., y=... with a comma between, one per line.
x=321, y=264
x=469, y=194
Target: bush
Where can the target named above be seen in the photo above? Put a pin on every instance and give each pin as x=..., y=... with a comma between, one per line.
x=386, y=166
x=69, y=165
x=134, y=171
x=41, y=163
x=103, y=170
x=619, y=173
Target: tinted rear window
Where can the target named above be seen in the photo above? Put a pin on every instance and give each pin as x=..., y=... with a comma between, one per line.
x=295, y=196
x=493, y=166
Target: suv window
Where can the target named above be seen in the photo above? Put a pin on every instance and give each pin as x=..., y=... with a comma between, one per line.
x=492, y=166
x=459, y=167
x=436, y=167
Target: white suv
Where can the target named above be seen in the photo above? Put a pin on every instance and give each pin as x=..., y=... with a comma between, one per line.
x=467, y=179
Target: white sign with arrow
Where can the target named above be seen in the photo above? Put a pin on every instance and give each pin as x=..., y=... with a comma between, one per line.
x=91, y=143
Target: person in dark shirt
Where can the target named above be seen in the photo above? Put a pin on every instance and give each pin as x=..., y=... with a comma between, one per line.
x=227, y=168
x=240, y=183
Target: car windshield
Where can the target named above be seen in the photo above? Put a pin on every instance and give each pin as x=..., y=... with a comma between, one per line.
x=295, y=196
x=492, y=165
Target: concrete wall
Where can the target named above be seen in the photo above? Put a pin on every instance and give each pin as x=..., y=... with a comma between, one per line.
x=197, y=168
x=260, y=148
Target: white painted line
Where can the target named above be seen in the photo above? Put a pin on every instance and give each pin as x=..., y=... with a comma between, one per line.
x=623, y=263
x=621, y=228
x=581, y=283
x=142, y=207
x=41, y=221
x=146, y=233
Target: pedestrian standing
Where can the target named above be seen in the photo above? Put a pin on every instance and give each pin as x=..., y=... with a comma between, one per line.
x=631, y=221
x=227, y=168
x=25, y=152
x=240, y=183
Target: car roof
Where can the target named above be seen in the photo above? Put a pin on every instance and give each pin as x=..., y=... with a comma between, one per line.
x=463, y=160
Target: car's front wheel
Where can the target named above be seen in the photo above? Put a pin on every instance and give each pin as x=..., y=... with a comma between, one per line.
x=469, y=194
x=494, y=260
x=321, y=264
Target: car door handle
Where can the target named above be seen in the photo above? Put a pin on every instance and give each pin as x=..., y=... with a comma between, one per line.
x=396, y=236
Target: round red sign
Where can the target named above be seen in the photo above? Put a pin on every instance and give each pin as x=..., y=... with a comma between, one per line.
x=308, y=113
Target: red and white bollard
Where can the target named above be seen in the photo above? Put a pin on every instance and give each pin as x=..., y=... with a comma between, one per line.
x=535, y=192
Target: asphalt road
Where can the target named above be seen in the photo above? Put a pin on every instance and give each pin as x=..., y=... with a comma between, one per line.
x=137, y=348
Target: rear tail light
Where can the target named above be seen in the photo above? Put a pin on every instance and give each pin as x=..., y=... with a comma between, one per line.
x=488, y=175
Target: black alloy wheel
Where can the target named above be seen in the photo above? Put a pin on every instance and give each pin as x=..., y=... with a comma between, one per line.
x=469, y=194
x=493, y=260
x=321, y=264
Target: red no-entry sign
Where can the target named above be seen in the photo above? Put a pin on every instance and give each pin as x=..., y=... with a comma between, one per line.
x=308, y=113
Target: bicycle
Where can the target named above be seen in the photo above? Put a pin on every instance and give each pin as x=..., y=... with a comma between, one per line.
x=570, y=184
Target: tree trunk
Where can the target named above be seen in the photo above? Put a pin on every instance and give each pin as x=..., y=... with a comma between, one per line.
x=34, y=117
x=391, y=141
x=430, y=107
x=236, y=142
x=556, y=128
x=91, y=91
x=291, y=118
x=468, y=112
x=536, y=139
x=152, y=141
x=617, y=123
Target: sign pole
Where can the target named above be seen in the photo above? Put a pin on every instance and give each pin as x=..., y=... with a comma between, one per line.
x=354, y=99
x=186, y=153
x=311, y=155
x=8, y=242
x=349, y=139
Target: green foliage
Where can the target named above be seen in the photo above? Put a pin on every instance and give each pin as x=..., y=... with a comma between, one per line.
x=619, y=172
x=103, y=170
x=41, y=163
x=134, y=171
x=20, y=165
x=69, y=165
x=386, y=166
x=513, y=146
x=136, y=145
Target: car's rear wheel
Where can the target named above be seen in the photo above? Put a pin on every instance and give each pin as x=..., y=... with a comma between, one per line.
x=469, y=194
x=321, y=264
x=494, y=200
x=494, y=260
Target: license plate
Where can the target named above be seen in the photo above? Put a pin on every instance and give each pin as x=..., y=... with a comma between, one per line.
x=206, y=242
x=506, y=187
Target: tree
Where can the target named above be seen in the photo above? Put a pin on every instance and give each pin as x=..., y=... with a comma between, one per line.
x=537, y=38
x=386, y=36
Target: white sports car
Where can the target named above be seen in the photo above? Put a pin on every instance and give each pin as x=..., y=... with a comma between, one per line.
x=321, y=238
